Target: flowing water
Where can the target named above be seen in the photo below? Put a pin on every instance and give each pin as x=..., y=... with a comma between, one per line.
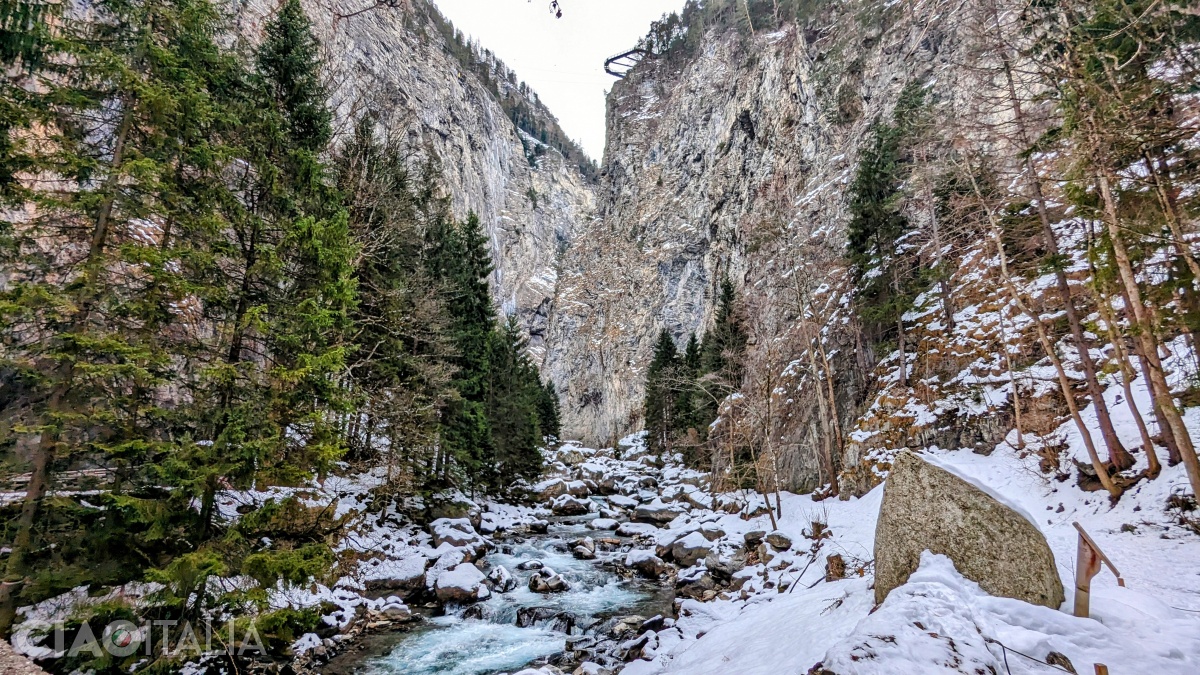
x=453, y=645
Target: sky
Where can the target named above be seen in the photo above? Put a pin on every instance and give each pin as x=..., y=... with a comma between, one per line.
x=562, y=59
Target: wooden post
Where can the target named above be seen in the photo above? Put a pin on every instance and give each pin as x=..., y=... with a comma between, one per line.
x=1101, y=669
x=1088, y=560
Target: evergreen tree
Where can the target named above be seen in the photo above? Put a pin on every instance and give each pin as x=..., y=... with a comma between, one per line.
x=267, y=401
x=101, y=281
x=660, y=393
x=883, y=265
x=724, y=344
x=513, y=400
x=549, y=413
x=459, y=258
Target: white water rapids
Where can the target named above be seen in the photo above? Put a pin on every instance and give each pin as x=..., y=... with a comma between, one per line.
x=453, y=645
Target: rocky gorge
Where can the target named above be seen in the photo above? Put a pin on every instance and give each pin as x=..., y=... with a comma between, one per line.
x=957, y=438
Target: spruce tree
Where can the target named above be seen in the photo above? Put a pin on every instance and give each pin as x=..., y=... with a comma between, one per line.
x=103, y=282
x=724, y=344
x=883, y=266
x=549, y=412
x=659, y=408
x=513, y=398
x=266, y=407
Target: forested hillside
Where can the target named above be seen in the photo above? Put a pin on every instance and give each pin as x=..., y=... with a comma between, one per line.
x=204, y=291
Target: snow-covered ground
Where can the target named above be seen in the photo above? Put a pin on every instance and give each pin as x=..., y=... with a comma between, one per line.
x=940, y=622
x=743, y=606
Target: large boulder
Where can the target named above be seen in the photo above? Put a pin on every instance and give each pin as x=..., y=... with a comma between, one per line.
x=657, y=512
x=646, y=563
x=459, y=533
x=689, y=549
x=566, y=505
x=549, y=489
x=462, y=584
x=926, y=507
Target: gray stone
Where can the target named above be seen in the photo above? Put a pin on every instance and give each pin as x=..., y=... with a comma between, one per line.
x=925, y=507
x=502, y=580
x=779, y=541
x=657, y=512
x=689, y=549
x=566, y=505
x=548, y=583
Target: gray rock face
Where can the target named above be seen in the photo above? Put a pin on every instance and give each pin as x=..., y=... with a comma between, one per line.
x=394, y=62
x=735, y=162
x=925, y=507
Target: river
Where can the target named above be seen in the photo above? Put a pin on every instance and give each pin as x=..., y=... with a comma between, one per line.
x=453, y=645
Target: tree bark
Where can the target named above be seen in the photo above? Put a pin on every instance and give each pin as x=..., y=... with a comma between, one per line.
x=1144, y=330
x=1118, y=456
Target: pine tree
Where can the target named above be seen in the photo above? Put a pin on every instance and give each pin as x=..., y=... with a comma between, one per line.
x=267, y=404
x=724, y=344
x=513, y=399
x=549, y=412
x=458, y=257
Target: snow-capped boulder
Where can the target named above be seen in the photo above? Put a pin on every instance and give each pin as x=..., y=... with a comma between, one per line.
x=448, y=559
x=690, y=549
x=566, y=505
x=578, y=488
x=622, y=501
x=779, y=541
x=645, y=563
x=547, y=581
x=394, y=609
x=657, y=512
x=604, y=524
x=462, y=584
x=928, y=508
x=592, y=471
x=637, y=530
x=712, y=531
x=502, y=580
x=459, y=533
x=753, y=538
x=386, y=574
x=550, y=488
x=584, y=549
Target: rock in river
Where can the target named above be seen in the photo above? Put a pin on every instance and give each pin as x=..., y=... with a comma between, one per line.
x=462, y=584
x=566, y=505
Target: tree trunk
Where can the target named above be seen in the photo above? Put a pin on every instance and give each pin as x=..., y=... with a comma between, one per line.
x=1118, y=456
x=1144, y=330
x=1064, y=382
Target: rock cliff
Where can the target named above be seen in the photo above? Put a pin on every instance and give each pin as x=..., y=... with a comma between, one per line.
x=734, y=159
x=404, y=65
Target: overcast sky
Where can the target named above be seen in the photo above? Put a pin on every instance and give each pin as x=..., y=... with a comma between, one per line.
x=562, y=59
